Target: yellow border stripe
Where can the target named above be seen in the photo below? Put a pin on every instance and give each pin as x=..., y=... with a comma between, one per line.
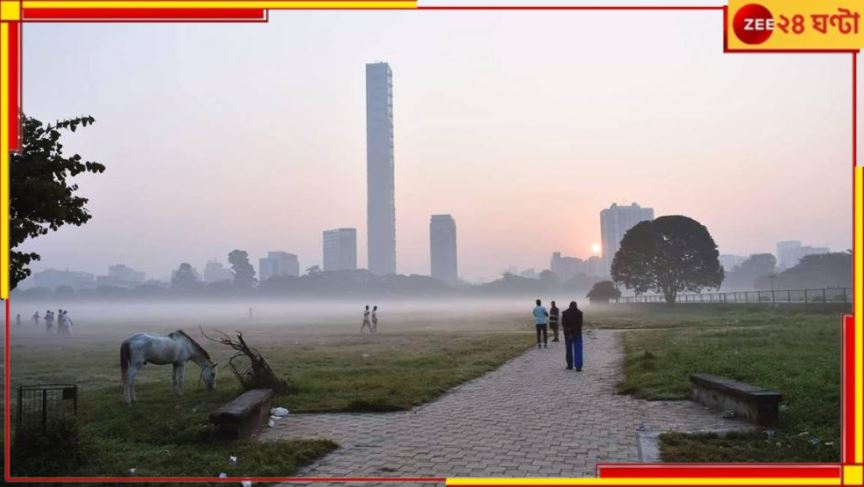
x=858, y=251
x=217, y=4
x=643, y=481
x=4, y=161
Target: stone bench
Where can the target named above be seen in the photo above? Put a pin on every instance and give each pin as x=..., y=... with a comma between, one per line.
x=751, y=402
x=243, y=416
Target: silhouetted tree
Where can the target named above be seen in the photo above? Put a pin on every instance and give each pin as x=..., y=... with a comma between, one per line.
x=42, y=199
x=668, y=255
x=744, y=275
x=603, y=292
x=184, y=277
x=244, y=273
x=814, y=271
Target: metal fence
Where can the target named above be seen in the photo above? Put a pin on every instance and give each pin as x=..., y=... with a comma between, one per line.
x=40, y=405
x=785, y=296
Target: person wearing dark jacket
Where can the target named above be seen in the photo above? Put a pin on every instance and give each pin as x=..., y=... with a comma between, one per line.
x=571, y=321
x=553, y=321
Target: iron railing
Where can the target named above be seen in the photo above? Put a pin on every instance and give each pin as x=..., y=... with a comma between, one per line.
x=40, y=405
x=784, y=296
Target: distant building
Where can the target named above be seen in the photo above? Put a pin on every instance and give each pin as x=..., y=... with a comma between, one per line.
x=568, y=267
x=52, y=279
x=121, y=275
x=790, y=252
x=529, y=273
x=340, y=249
x=614, y=223
x=729, y=261
x=214, y=271
x=276, y=264
x=442, y=249
x=380, y=206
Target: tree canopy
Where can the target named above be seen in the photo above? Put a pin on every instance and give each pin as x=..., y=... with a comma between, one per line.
x=244, y=273
x=744, y=275
x=42, y=197
x=603, y=292
x=668, y=255
x=184, y=277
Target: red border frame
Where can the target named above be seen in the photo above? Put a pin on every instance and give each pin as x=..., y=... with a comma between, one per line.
x=622, y=471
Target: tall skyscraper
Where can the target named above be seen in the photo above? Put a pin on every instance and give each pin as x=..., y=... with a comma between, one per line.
x=614, y=223
x=442, y=246
x=340, y=249
x=278, y=263
x=380, y=206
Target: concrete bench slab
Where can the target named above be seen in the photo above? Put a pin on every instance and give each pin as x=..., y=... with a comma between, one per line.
x=241, y=417
x=754, y=403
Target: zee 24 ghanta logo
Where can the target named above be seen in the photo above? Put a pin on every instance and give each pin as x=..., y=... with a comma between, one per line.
x=754, y=23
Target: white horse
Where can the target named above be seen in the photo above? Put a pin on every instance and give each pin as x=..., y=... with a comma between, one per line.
x=176, y=348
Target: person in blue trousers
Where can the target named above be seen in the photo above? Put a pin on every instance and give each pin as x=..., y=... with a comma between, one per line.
x=571, y=322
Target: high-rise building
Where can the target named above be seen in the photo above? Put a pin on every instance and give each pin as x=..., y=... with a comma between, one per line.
x=276, y=264
x=380, y=206
x=614, y=223
x=340, y=249
x=442, y=248
x=790, y=252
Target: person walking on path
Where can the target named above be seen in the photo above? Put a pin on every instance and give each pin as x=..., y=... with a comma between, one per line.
x=540, y=315
x=571, y=321
x=374, y=319
x=366, y=322
x=553, y=321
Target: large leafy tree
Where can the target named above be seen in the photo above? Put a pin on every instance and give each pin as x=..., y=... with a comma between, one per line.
x=668, y=255
x=244, y=273
x=184, y=277
x=42, y=196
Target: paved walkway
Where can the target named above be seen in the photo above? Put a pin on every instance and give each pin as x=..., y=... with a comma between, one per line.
x=529, y=418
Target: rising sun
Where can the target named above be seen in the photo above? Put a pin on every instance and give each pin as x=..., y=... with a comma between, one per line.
x=595, y=248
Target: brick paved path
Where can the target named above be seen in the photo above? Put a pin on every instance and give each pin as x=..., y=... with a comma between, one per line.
x=529, y=418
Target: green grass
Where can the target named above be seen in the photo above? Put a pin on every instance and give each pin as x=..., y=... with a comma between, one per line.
x=166, y=434
x=795, y=354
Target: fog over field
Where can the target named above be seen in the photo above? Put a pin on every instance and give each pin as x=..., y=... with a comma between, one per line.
x=313, y=316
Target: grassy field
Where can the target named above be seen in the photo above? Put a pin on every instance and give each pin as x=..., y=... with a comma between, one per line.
x=795, y=354
x=331, y=366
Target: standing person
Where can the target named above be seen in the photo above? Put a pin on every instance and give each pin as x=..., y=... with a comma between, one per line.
x=553, y=321
x=250, y=312
x=366, y=322
x=60, y=322
x=49, y=322
x=374, y=319
x=18, y=319
x=572, y=323
x=540, y=315
x=36, y=318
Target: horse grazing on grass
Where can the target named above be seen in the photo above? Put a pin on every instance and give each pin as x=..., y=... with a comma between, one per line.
x=176, y=349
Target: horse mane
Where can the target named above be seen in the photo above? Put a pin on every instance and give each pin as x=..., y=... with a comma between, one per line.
x=195, y=344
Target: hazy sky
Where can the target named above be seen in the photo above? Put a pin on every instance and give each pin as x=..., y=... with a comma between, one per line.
x=522, y=125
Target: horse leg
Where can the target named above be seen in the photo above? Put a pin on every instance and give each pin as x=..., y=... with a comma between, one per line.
x=181, y=374
x=127, y=394
x=133, y=371
x=174, y=378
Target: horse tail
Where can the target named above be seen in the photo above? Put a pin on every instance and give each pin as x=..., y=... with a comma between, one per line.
x=124, y=360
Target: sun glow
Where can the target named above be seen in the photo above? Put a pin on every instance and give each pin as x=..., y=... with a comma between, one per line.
x=595, y=248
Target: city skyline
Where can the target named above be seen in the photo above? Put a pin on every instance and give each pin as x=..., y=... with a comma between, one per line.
x=515, y=146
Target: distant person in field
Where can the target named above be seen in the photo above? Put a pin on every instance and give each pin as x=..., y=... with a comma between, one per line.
x=553, y=320
x=49, y=322
x=366, y=322
x=571, y=321
x=59, y=321
x=540, y=316
x=36, y=318
x=18, y=319
x=250, y=313
x=374, y=318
